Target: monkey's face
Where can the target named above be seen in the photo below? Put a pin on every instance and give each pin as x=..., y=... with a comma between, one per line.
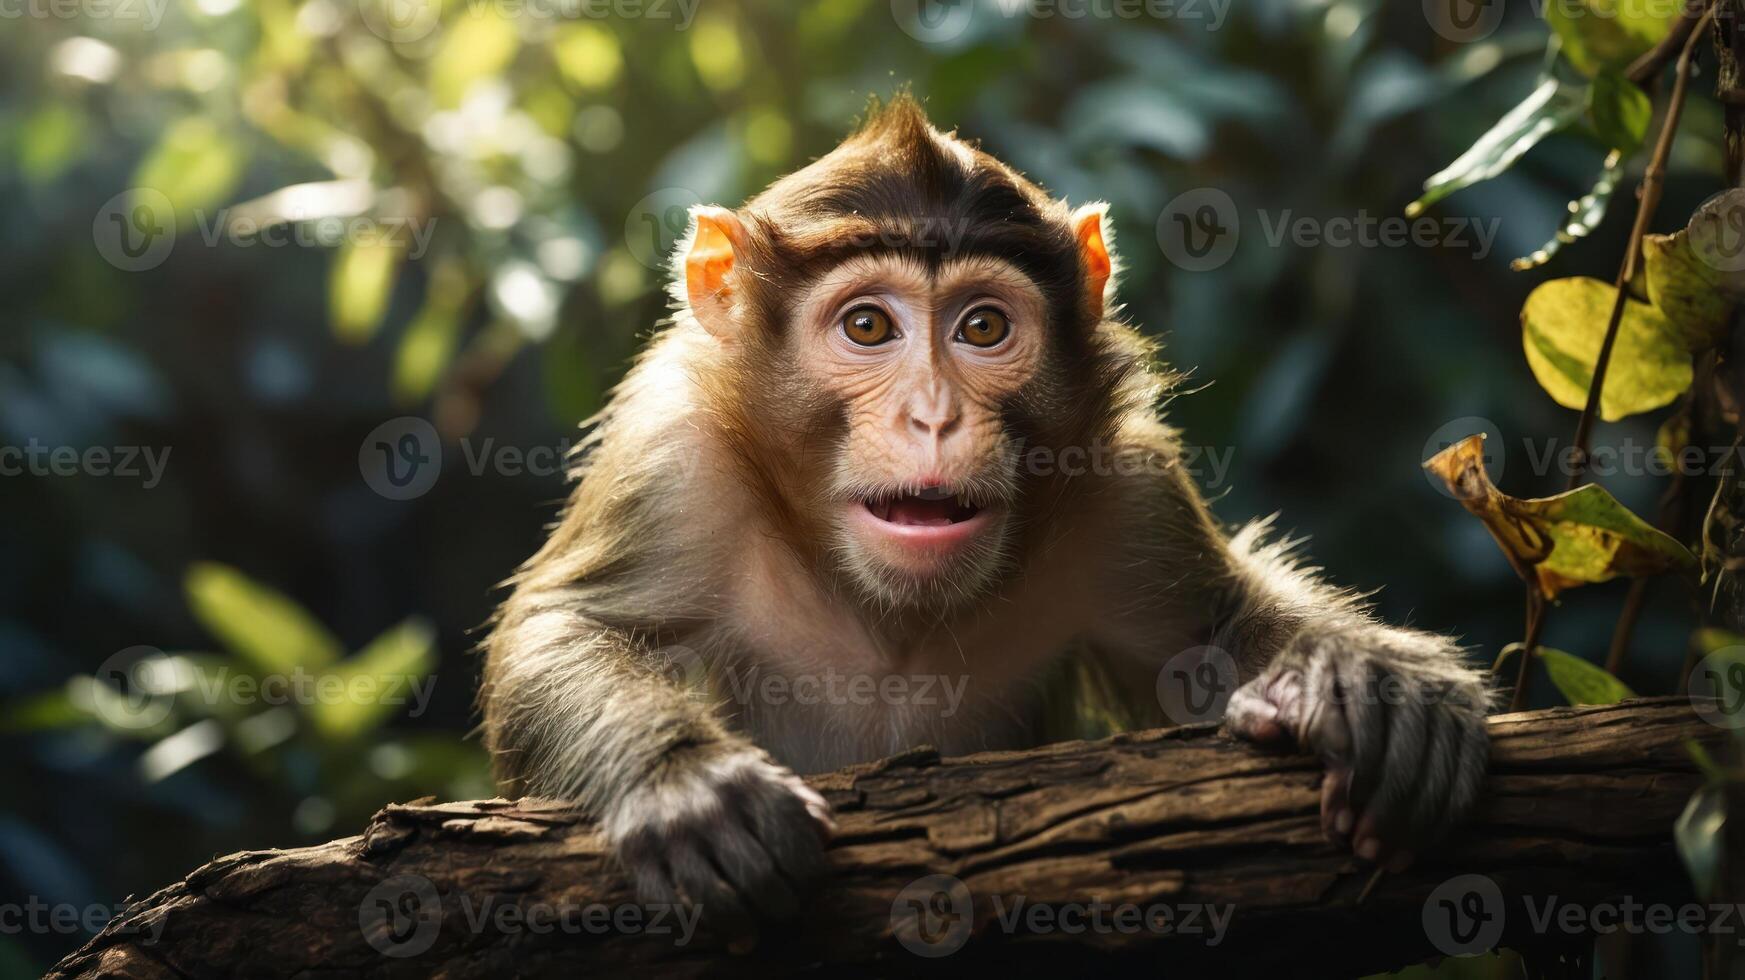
x=922, y=362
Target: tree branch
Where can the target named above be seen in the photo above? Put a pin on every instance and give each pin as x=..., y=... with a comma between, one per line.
x=1645, y=68
x=1579, y=805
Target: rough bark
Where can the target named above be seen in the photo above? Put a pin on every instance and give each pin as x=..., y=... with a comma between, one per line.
x=1580, y=806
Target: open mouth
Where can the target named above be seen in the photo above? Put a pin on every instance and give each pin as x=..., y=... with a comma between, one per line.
x=933, y=507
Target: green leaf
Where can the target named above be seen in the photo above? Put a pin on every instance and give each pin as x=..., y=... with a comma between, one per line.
x=1562, y=326
x=429, y=342
x=1686, y=290
x=195, y=165
x=1601, y=34
x=1620, y=111
x=1550, y=107
x=1581, y=682
x=360, y=284
x=377, y=683
x=455, y=768
x=272, y=633
x=1554, y=543
x=1584, y=215
x=480, y=44
x=49, y=711
x=1709, y=639
x=48, y=140
x=1698, y=835
x=1690, y=288
x=1699, y=754
x=1595, y=538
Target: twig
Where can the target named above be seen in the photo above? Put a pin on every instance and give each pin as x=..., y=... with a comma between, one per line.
x=1529, y=646
x=1644, y=68
x=1626, y=624
x=1649, y=192
x=1669, y=518
x=1374, y=880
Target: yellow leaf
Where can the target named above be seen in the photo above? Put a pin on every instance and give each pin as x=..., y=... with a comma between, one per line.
x=1562, y=325
x=1558, y=542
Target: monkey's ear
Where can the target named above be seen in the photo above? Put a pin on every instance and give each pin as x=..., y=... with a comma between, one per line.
x=716, y=235
x=1095, y=257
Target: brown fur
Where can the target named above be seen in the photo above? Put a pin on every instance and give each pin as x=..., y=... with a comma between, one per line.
x=700, y=533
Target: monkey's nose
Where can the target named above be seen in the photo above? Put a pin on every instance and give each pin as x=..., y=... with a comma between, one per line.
x=935, y=424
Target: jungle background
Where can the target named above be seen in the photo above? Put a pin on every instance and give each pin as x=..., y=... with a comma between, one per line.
x=529, y=166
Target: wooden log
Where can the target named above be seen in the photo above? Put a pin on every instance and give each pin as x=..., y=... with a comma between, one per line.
x=1177, y=852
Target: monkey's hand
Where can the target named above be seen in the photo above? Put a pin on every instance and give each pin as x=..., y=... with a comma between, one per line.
x=724, y=829
x=1398, y=720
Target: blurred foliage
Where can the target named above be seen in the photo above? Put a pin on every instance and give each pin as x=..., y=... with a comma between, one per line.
x=466, y=219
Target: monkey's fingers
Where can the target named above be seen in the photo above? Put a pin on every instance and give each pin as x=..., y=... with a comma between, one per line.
x=815, y=805
x=784, y=836
x=703, y=880
x=671, y=868
x=1442, y=788
x=749, y=869
x=1264, y=709
x=1387, y=794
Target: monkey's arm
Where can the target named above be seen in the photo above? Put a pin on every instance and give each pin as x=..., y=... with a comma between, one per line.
x=1397, y=714
x=577, y=711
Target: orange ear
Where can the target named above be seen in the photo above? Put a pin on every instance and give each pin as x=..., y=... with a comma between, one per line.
x=715, y=236
x=1094, y=256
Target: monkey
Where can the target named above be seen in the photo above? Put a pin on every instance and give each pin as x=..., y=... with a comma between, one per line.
x=833, y=462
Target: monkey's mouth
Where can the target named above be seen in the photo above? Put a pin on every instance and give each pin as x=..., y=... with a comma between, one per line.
x=933, y=507
x=921, y=535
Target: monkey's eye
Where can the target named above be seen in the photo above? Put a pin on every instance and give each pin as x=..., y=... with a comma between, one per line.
x=984, y=328
x=868, y=326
